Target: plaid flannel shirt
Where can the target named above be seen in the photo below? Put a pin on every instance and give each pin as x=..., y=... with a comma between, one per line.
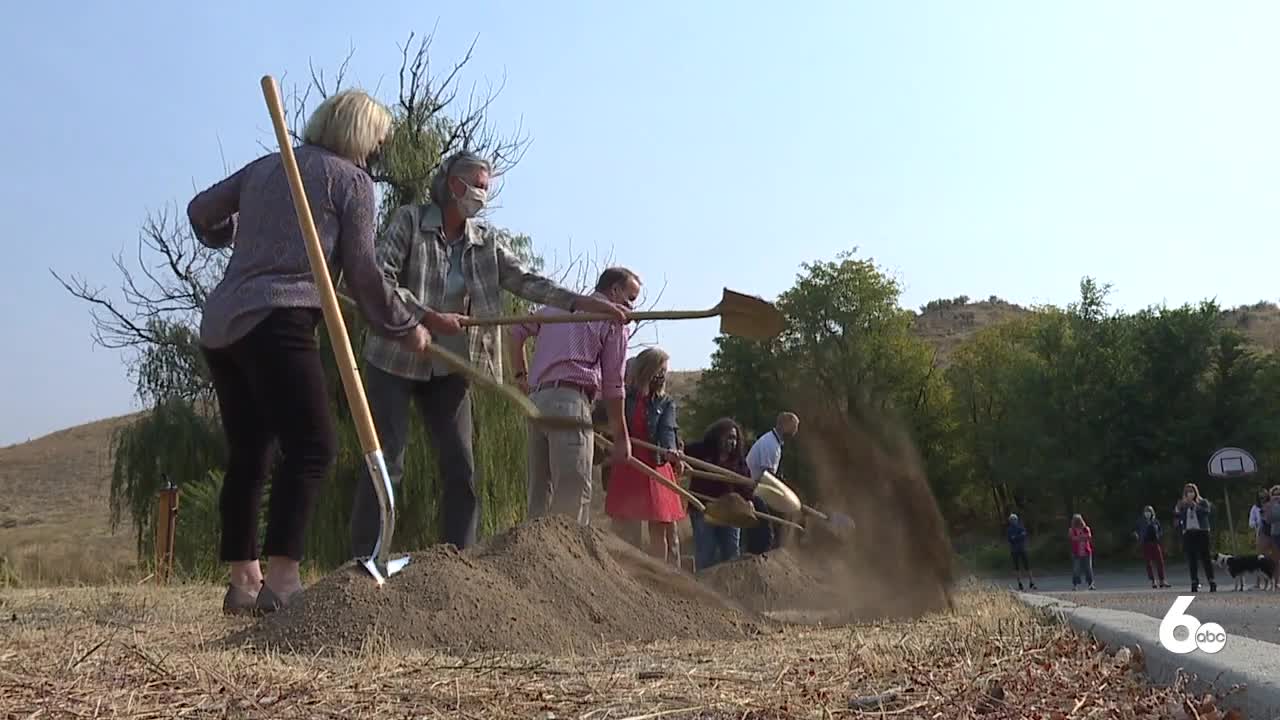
x=414, y=257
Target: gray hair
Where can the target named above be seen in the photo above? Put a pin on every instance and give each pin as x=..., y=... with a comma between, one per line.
x=460, y=163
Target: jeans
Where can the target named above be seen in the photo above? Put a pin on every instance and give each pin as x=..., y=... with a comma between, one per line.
x=271, y=387
x=712, y=544
x=445, y=404
x=1081, y=565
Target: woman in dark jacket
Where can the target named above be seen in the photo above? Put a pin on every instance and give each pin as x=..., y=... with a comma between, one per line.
x=258, y=332
x=1150, y=534
x=721, y=445
x=1191, y=516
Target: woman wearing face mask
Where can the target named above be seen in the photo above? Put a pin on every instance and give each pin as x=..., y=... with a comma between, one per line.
x=1191, y=517
x=258, y=333
x=1258, y=523
x=1149, y=533
x=437, y=255
x=720, y=445
x=634, y=497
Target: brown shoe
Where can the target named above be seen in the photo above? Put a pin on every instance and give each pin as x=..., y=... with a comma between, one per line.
x=239, y=601
x=268, y=601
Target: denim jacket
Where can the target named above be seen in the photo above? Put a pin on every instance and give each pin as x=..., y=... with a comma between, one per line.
x=1149, y=530
x=1203, y=510
x=660, y=419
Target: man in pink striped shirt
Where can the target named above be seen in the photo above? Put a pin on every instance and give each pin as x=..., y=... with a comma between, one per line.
x=573, y=364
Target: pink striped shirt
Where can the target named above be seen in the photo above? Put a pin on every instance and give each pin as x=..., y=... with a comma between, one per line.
x=591, y=354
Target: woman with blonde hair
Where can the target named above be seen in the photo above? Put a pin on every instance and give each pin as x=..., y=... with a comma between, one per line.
x=258, y=333
x=633, y=497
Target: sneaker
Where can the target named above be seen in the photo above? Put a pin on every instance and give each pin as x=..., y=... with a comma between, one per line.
x=1195, y=587
x=1153, y=585
x=1213, y=586
x=1164, y=584
x=1091, y=587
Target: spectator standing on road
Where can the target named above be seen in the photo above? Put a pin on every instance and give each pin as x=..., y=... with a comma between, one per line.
x=1272, y=516
x=1081, y=536
x=1259, y=524
x=1191, y=516
x=1017, y=535
x=1149, y=533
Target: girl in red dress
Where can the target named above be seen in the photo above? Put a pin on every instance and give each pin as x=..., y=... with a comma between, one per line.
x=633, y=497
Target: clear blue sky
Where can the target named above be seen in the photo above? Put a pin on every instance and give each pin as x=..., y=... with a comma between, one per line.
x=970, y=148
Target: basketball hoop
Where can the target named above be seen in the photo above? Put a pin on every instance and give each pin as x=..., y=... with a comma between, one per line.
x=1232, y=462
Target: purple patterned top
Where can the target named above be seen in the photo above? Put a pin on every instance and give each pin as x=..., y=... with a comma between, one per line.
x=253, y=212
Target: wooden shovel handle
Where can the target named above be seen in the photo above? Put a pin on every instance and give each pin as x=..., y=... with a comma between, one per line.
x=342, y=351
x=639, y=465
x=579, y=317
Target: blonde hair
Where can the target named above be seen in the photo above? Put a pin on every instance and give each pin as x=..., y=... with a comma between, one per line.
x=1077, y=520
x=644, y=367
x=349, y=123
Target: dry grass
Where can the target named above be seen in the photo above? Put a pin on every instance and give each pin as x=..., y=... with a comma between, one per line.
x=144, y=652
x=54, y=524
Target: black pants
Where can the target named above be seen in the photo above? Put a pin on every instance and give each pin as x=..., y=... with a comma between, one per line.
x=1195, y=543
x=271, y=388
x=445, y=404
x=760, y=539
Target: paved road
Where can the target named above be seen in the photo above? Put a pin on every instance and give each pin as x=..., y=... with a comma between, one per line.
x=1253, y=613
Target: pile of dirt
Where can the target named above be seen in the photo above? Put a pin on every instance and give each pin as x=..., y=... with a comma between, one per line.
x=547, y=586
x=773, y=582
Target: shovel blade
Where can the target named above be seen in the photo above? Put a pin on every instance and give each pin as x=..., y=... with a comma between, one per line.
x=730, y=512
x=749, y=316
x=380, y=573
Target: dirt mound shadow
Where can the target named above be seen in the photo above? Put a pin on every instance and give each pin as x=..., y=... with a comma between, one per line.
x=547, y=586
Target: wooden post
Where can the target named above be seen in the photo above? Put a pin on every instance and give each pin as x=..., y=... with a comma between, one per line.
x=166, y=526
x=1231, y=526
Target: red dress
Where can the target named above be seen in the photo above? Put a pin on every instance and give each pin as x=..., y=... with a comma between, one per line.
x=633, y=495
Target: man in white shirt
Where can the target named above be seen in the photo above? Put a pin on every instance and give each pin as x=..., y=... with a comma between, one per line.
x=766, y=454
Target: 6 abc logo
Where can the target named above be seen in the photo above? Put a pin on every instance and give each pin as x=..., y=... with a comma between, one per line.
x=1209, y=637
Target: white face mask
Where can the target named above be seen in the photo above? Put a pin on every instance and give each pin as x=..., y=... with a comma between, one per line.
x=472, y=201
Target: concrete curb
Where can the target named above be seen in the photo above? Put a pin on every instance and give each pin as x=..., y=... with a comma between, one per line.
x=1251, y=664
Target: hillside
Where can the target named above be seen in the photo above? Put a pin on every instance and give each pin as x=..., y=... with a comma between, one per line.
x=53, y=506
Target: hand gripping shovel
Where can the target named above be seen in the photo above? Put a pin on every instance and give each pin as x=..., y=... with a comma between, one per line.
x=657, y=477
x=745, y=316
x=380, y=565
x=513, y=395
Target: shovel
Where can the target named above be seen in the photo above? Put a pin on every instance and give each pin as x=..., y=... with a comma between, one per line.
x=745, y=316
x=512, y=394
x=380, y=564
x=780, y=491
x=657, y=477
x=724, y=510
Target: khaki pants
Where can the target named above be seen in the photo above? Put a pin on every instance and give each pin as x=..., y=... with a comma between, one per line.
x=560, y=460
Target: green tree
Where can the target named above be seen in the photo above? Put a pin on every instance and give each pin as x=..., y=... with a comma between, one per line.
x=155, y=323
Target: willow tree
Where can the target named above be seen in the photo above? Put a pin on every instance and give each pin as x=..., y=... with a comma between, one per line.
x=154, y=319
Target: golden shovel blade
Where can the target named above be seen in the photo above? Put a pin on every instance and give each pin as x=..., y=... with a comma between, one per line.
x=731, y=510
x=749, y=316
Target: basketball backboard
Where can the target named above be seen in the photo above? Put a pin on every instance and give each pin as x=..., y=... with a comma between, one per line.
x=1232, y=462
